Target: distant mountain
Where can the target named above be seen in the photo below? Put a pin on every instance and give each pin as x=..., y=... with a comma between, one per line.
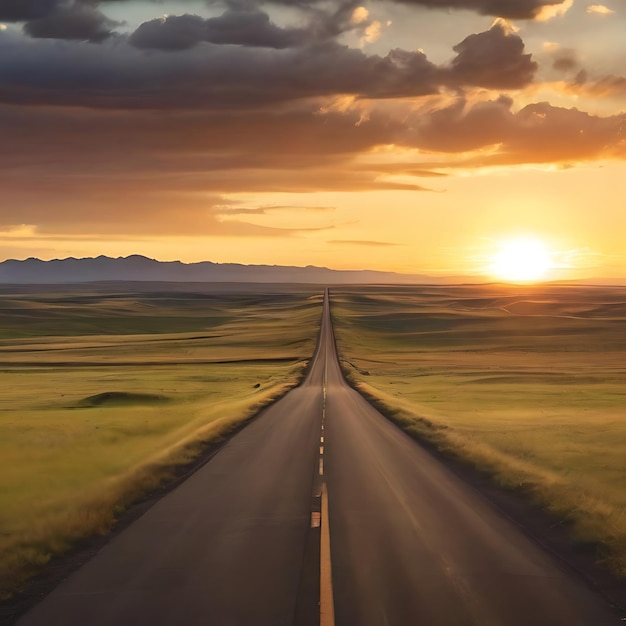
x=141, y=269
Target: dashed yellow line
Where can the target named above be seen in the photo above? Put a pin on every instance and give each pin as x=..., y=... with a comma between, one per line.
x=327, y=604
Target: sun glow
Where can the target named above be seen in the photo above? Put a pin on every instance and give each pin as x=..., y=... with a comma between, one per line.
x=521, y=260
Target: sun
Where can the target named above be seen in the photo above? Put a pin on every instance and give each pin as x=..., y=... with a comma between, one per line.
x=524, y=259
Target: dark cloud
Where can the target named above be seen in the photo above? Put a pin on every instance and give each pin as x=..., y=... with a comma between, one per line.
x=77, y=22
x=246, y=28
x=251, y=28
x=493, y=59
x=58, y=19
x=565, y=61
x=116, y=75
x=510, y=9
x=242, y=24
x=174, y=32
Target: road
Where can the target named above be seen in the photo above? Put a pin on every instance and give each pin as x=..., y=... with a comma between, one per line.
x=403, y=541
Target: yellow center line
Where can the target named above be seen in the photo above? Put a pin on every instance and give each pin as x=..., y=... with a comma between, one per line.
x=327, y=604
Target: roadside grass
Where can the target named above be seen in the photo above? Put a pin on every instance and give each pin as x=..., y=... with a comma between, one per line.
x=527, y=384
x=89, y=424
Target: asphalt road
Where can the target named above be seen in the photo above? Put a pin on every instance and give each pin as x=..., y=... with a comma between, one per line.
x=410, y=543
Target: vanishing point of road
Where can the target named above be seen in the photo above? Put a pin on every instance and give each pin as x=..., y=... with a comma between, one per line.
x=322, y=511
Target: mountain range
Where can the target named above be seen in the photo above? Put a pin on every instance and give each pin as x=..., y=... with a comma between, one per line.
x=140, y=268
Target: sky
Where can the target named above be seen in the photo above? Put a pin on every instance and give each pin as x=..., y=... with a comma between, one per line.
x=419, y=136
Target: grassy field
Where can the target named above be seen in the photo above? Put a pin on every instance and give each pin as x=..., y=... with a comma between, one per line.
x=525, y=383
x=107, y=391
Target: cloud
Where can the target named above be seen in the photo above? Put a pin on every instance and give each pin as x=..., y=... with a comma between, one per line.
x=359, y=15
x=174, y=174
x=76, y=21
x=565, y=60
x=125, y=209
x=551, y=11
x=244, y=23
x=59, y=19
x=606, y=86
x=185, y=158
x=599, y=9
x=538, y=133
x=400, y=169
x=245, y=28
x=550, y=46
x=462, y=128
x=359, y=242
x=170, y=33
x=372, y=33
x=510, y=9
x=249, y=26
x=229, y=211
x=493, y=59
x=118, y=76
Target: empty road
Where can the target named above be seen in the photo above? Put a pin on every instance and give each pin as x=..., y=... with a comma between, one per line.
x=404, y=542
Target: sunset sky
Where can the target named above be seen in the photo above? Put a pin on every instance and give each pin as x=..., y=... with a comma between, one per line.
x=406, y=135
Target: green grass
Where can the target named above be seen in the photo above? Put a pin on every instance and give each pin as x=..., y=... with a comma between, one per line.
x=90, y=422
x=525, y=383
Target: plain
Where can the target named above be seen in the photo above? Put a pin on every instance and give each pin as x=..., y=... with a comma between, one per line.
x=526, y=383
x=109, y=389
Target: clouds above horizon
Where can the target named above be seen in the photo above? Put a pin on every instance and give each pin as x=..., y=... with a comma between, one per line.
x=213, y=77
x=29, y=10
x=176, y=115
x=196, y=160
x=245, y=28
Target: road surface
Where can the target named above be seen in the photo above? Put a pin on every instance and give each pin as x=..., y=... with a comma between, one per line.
x=403, y=541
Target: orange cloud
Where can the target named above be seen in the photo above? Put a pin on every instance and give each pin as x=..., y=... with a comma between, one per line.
x=599, y=9
x=359, y=242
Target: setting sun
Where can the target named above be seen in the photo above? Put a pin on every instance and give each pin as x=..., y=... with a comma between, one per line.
x=521, y=260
